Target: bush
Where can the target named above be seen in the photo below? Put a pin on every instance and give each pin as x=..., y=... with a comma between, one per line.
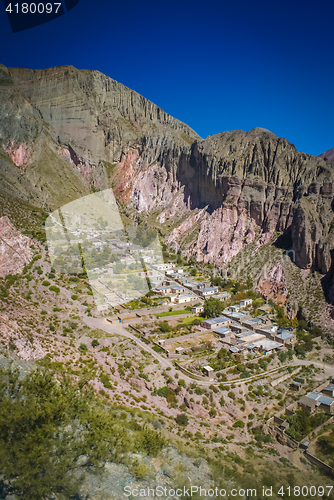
x=222, y=401
x=54, y=289
x=105, y=381
x=83, y=347
x=74, y=297
x=46, y=283
x=95, y=343
x=165, y=327
x=231, y=395
x=199, y=391
x=238, y=423
x=182, y=419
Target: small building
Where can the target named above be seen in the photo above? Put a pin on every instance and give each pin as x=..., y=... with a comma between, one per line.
x=234, y=309
x=197, y=309
x=177, y=289
x=163, y=290
x=287, y=338
x=215, y=322
x=328, y=390
x=304, y=445
x=239, y=317
x=206, y=292
x=179, y=350
x=237, y=328
x=315, y=400
x=267, y=346
x=184, y=297
x=284, y=425
x=163, y=267
x=223, y=332
x=245, y=303
x=326, y=404
x=308, y=403
x=252, y=323
x=203, y=284
x=208, y=371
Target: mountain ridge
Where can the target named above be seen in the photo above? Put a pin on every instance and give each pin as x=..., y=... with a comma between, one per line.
x=66, y=132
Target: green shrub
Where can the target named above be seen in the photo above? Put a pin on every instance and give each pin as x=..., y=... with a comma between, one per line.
x=83, y=347
x=95, y=343
x=74, y=297
x=105, y=380
x=54, y=289
x=46, y=283
x=182, y=419
x=199, y=391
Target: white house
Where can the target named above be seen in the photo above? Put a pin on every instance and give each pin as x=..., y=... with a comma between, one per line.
x=197, y=309
x=184, y=297
x=245, y=303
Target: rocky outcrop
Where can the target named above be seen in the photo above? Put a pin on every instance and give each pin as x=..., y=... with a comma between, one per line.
x=274, y=285
x=328, y=155
x=15, y=249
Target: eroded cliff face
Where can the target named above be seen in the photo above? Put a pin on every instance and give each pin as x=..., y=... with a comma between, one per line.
x=15, y=249
x=65, y=132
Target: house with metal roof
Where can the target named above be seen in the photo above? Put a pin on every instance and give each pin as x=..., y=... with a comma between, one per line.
x=328, y=390
x=206, y=292
x=184, y=297
x=252, y=323
x=212, y=323
x=245, y=303
x=266, y=345
x=286, y=337
x=223, y=332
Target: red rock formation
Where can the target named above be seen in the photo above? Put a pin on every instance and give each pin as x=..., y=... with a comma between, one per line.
x=274, y=286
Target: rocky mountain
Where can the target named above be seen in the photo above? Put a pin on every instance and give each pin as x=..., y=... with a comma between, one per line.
x=328, y=155
x=68, y=132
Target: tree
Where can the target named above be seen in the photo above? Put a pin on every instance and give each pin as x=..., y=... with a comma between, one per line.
x=249, y=283
x=182, y=419
x=165, y=327
x=212, y=307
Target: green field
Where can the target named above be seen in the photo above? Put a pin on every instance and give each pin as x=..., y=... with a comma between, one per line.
x=189, y=321
x=172, y=313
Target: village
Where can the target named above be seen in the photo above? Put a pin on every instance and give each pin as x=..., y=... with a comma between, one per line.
x=188, y=336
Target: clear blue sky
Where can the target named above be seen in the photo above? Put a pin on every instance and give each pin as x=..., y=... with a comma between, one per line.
x=215, y=65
